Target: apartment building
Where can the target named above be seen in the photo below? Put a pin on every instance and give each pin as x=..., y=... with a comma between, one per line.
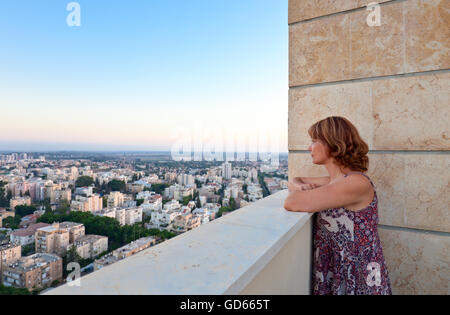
x=108, y=213
x=34, y=271
x=90, y=246
x=87, y=204
x=52, y=239
x=186, y=222
x=56, y=238
x=25, y=236
x=9, y=254
x=76, y=230
x=133, y=215
x=125, y=251
x=161, y=218
x=115, y=199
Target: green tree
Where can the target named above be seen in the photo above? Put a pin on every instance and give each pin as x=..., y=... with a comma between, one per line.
x=233, y=205
x=244, y=188
x=64, y=207
x=12, y=222
x=158, y=188
x=186, y=200
x=116, y=185
x=84, y=181
x=28, y=249
x=13, y=291
x=24, y=210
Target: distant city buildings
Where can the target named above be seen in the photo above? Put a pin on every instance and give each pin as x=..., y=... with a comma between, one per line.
x=156, y=195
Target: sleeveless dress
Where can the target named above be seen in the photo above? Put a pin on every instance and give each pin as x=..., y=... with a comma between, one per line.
x=348, y=258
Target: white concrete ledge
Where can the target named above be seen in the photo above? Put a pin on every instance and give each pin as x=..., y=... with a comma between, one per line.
x=220, y=257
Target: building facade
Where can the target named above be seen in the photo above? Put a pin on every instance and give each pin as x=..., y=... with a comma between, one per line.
x=34, y=271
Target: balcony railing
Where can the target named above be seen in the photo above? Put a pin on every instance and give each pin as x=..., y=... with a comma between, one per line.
x=259, y=249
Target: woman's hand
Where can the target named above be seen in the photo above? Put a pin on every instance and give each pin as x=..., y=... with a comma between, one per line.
x=292, y=186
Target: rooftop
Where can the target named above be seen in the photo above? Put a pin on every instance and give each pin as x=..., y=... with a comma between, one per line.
x=34, y=261
x=29, y=230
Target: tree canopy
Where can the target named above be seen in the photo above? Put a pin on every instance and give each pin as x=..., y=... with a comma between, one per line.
x=84, y=181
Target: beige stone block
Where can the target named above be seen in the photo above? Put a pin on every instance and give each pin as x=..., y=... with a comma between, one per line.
x=427, y=27
x=387, y=172
x=300, y=164
x=418, y=262
x=377, y=50
x=309, y=105
x=412, y=113
x=300, y=10
x=412, y=189
x=427, y=197
x=404, y=113
x=319, y=51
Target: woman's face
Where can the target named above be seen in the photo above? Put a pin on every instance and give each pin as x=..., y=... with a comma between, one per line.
x=319, y=151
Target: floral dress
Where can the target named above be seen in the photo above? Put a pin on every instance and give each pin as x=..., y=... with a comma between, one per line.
x=348, y=258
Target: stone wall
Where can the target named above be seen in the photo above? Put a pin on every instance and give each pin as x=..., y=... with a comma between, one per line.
x=393, y=82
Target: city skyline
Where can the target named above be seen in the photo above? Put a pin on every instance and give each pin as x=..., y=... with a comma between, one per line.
x=129, y=77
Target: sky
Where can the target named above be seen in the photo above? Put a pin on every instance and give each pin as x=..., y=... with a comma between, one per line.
x=143, y=74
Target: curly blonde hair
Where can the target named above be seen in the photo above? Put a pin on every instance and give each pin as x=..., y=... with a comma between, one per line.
x=344, y=142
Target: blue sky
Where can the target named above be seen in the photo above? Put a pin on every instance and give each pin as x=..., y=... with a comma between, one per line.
x=138, y=74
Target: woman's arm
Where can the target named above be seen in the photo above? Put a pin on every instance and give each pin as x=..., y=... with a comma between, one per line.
x=342, y=193
x=318, y=181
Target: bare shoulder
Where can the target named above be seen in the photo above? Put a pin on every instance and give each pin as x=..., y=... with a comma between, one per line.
x=356, y=183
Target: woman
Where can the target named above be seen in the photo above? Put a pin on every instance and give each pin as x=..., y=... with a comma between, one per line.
x=348, y=258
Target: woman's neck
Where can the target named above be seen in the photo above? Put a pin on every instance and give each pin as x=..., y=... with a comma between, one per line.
x=335, y=171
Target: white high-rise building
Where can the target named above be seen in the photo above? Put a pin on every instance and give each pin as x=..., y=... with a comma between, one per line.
x=226, y=170
x=185, y=179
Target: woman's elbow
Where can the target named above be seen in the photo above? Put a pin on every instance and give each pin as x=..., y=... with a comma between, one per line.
x=289, y=206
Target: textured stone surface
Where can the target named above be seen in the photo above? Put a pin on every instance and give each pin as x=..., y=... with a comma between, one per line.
x=377, y=50
x=412, y=111
x=300, y=10
x=300, y=164
x=427, y=197
x=319, y=51
x=427, y=26
x=418, y=263
x=309, y=105
x=387, y=171
x=414, y=36
x=413, y=189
